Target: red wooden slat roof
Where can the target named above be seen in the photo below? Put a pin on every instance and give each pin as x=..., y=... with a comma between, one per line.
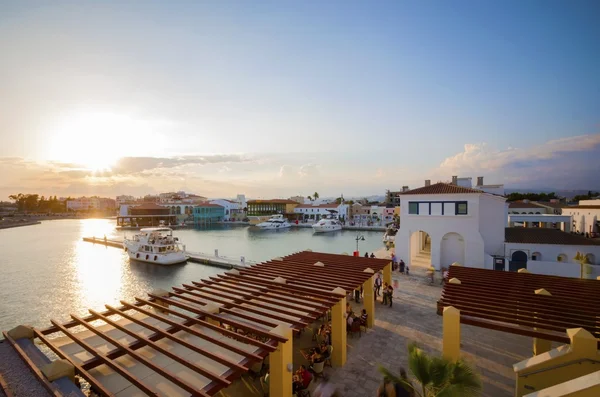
x=249, y=299
x=507, y=301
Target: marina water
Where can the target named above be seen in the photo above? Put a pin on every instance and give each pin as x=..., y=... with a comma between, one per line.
x=47, y=271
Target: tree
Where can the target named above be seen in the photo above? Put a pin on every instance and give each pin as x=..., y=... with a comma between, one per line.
x=316, y=196
x=310, y=198
x=436, y=376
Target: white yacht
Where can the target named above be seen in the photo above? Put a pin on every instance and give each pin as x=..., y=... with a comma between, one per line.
x=274, y=223
x=327, y=225
x=155, y=245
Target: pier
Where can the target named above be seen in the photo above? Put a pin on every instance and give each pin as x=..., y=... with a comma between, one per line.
x=346, y=227
x=195, y=257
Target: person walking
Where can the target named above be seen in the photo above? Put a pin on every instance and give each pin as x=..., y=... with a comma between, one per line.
x=378, y=283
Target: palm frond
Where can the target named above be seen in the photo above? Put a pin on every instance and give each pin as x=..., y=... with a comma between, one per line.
x=440, y=371
x=397, y=379
x=465, y=378
x=419, y=364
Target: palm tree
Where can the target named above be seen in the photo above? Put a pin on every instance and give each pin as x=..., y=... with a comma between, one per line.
x=316, y=195
x=436, y=376
x=310, y=198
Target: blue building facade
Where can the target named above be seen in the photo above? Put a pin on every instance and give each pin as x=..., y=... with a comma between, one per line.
x=205, y=214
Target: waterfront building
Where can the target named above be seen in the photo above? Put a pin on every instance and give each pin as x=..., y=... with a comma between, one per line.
x=180, y=197
x=146, y=214
x=124, y=199
x=445, y=223
x=91, y=204
x=207, y=213
x=232, y=209
x=586, y=217
x=310, y=212
x=299, y=199
x=550, y=251
x=271, y=207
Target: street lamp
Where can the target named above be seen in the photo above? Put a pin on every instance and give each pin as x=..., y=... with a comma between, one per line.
x=359, y=237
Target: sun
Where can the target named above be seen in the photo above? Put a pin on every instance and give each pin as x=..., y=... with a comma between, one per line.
x=95, y=140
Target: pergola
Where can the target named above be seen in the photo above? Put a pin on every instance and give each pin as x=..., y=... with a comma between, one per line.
x=198, y=338
x=534, y=305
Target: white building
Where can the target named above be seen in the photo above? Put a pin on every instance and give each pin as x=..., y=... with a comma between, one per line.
x=233, y=210
x=124, y=199
x=586, y=216
x=446, y=223
x=91, y=204
x=241, y=200
x=550, y=251
x=317, y=211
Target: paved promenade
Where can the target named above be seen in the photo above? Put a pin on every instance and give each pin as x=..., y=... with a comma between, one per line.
x=413, y=318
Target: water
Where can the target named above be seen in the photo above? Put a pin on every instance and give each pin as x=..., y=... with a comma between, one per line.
x=47, y=271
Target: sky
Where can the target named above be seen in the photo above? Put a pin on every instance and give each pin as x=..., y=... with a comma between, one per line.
x=278, y=98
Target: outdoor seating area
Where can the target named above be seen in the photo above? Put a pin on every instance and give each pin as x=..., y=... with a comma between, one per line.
x=200, y=338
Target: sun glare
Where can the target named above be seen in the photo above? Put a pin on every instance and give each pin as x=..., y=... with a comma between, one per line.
x=96, y=140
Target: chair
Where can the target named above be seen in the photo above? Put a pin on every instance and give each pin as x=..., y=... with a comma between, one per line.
x=264, y=384
x=355, y=327
x=364, y=324
x=328, y=359
x=317, y=369
x=305, y=392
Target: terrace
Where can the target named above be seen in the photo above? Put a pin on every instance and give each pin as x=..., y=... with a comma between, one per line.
x=268, y=311
x=201, y=337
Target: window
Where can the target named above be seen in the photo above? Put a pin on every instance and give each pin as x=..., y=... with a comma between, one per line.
x=461, y=208
x=413, y=208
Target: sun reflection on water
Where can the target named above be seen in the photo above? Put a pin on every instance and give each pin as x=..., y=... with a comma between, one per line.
x=99, y=275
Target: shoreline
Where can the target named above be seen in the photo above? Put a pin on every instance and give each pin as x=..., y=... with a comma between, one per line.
x=18, y=224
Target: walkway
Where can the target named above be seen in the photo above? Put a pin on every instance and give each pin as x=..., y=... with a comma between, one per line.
x=413, y=318
x=19, y=379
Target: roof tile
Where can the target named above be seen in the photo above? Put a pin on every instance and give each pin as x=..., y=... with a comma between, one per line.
x=443, y=188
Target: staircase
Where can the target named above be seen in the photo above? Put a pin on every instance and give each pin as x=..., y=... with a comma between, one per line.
x=423, y=258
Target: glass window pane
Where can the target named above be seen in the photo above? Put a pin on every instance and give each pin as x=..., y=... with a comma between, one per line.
x=413, y=208
x=461, y=208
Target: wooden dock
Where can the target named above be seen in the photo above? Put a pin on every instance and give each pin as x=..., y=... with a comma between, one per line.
x=196, y=257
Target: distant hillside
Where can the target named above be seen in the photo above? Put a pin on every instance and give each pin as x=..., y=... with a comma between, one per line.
x=561, y=193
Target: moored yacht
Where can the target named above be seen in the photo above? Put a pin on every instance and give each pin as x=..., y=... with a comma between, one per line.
x=327, y=225
x=274, y=223
x=155, y=245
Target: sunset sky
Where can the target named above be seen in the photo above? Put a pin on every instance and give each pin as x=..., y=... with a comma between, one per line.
x=278, y=98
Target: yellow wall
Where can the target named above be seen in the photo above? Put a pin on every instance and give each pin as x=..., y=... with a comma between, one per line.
x=289, y=208
x=397, y=211
x=558, y=365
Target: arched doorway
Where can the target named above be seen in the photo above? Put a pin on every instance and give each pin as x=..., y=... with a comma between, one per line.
x=518, y=260
x=452, y=250
x=420, y=249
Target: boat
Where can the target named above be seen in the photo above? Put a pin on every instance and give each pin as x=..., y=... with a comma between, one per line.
x=155, y=245
x=274, y=223
x=327, y=225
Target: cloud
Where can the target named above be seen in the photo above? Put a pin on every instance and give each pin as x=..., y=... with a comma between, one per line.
x=305, y=171
x=309, y=170
x=286, y=171
x=545, y=164
x=131, y=165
